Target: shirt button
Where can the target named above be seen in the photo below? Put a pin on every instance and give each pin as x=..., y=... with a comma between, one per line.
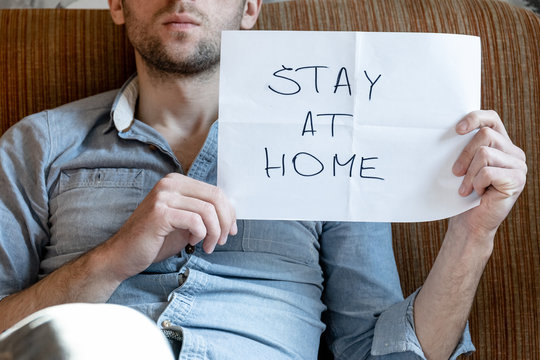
x=166, y=324
x=190, y=249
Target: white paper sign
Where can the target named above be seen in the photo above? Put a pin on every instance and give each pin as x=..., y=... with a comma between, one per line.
x=345, y=126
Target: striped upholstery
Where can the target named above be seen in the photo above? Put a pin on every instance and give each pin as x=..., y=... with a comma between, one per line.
x=49, y=57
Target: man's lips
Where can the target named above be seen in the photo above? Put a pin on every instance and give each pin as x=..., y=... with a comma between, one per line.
x=181, y=21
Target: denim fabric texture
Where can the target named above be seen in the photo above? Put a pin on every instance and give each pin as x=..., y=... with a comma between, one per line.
x=70, y=178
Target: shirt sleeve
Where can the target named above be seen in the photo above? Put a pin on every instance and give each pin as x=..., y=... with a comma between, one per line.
x=366, y=315
x=24, y=152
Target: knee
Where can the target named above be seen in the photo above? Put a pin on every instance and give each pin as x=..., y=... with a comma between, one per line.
x=84, y=331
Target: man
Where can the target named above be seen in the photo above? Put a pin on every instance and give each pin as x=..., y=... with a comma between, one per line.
x=117, y=205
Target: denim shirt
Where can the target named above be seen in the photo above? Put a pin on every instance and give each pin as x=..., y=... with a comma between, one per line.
x=70, y=178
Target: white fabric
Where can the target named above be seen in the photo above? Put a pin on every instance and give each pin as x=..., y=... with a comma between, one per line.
x=95, y=331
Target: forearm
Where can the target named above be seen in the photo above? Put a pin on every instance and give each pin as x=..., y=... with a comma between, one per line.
x=443, y=304
x=86, y=279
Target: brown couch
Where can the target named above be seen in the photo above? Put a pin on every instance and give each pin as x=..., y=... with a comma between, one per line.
x=50, y=57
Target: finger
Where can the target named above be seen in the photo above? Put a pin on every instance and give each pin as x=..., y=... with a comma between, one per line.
x=485, y=137
x=507, y=182
x=207, y=213
x=234, y=229
x=488, y=157
x=212, y=194
x=190, y=221
x=225, y=212
x=479, y=119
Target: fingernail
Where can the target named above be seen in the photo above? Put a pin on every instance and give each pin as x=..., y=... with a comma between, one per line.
x=210, y=249
x=222, y=240
x=458, y=168
x=234, y=229
x=462, y=189
x=461, y=126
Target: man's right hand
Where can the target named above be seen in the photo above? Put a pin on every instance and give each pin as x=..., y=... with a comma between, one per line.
x=178, y=211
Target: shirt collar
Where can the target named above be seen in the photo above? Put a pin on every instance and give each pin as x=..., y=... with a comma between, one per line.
x=123, y=109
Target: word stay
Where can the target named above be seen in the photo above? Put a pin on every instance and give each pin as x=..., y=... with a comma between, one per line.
x=286, y=83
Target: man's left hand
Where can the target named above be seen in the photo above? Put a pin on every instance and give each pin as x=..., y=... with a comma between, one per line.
x=493, y=167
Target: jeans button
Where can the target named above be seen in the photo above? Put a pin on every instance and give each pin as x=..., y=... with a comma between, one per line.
x=166, y=324
x=182, y=277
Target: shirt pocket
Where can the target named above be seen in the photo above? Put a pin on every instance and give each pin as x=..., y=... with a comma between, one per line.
x=91, y=205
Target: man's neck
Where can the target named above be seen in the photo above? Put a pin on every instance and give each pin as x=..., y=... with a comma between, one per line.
x=182, y=109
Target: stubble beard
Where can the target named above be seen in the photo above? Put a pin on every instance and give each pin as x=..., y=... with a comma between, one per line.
x=204, y=59
x=162, y=63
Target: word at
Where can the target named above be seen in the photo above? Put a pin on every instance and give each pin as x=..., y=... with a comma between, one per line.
x=308, y=123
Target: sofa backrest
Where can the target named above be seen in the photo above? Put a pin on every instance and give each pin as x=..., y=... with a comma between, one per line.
x=50, y=57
